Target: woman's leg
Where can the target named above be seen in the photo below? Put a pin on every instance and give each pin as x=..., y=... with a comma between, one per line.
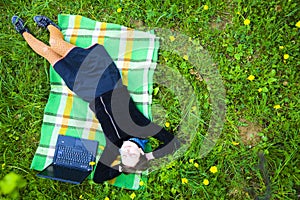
x=41, y=48
x=57, y=42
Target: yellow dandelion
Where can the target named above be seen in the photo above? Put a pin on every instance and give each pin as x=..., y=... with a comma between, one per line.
x=194, y=108
x=106, y=198
x=205, y=7
x=235, y=143
x=205, y=182
x=101, y=147
x=213, y=169
x=172, y=38
x=251, y=78
x=185, y=57
x=119, y=10
x=92, y=163
x=184, y=180
x=277, y=106
x=246, y=22
x=286, y=56
x=167, y=124
x=81, y=197
x=298, y=24
x=196, y=165
x=281, y=47
x=132, y=196
x=259, y=90
x=191, y=160
x=142, y=183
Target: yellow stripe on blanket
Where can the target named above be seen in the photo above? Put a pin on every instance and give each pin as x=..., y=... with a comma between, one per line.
x=66, y=115
x=102, y=33
x=127, y=56
x=92, y=133
x=75, y=29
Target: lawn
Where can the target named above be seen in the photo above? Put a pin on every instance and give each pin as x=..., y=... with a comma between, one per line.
x=254, y=47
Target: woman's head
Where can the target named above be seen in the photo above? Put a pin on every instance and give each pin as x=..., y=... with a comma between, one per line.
x=133, y=156
x=130, y=153
x=140, y=166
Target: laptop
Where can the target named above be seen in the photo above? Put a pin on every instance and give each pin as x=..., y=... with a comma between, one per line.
x=73, y=160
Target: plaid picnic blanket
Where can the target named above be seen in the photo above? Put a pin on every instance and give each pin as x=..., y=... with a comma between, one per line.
x=135, y=54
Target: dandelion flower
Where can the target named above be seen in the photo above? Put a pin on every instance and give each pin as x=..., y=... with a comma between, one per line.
x=281, y=47
x=277, y=106
x=92, y=163
x=246, y=22
x=251, y=78
x=132, y=196
x=193, y=108
x=235, y=143
x=298, y=24
x=167, y=124
x=205, y=7
x=119, y=10
x=81, y=197
x=184, y=180
x=286, y=56
x=205, y=182
x=191, y=160
x=259, y=90
x=213, y=169
x=172, y=38
x=196, y=165
x=185, y=57
x=106, y=198
x=142, y=183
x=101, y=147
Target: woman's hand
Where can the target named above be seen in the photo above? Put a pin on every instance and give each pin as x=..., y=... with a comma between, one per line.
x=149, y=156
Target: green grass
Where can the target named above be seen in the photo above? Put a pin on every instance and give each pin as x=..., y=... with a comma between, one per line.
x=237, y=49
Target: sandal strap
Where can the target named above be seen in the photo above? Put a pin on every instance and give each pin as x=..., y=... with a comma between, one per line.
x=19, y=25
x=44, y=21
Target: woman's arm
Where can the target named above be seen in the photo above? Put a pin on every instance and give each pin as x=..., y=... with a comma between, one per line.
x=169, y=146
x=130, y=122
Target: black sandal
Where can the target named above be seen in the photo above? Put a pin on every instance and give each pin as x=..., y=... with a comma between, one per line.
x=43, y=21
x=19, y=25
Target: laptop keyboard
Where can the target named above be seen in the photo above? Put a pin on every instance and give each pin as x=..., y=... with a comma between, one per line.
x=73, y=157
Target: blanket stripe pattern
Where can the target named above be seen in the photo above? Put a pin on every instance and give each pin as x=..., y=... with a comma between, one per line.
x=135, y=54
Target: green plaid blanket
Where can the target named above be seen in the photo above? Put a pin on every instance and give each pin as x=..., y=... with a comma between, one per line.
x=135, y=54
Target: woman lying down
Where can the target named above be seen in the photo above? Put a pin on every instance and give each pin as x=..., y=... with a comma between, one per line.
x=92, y=75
